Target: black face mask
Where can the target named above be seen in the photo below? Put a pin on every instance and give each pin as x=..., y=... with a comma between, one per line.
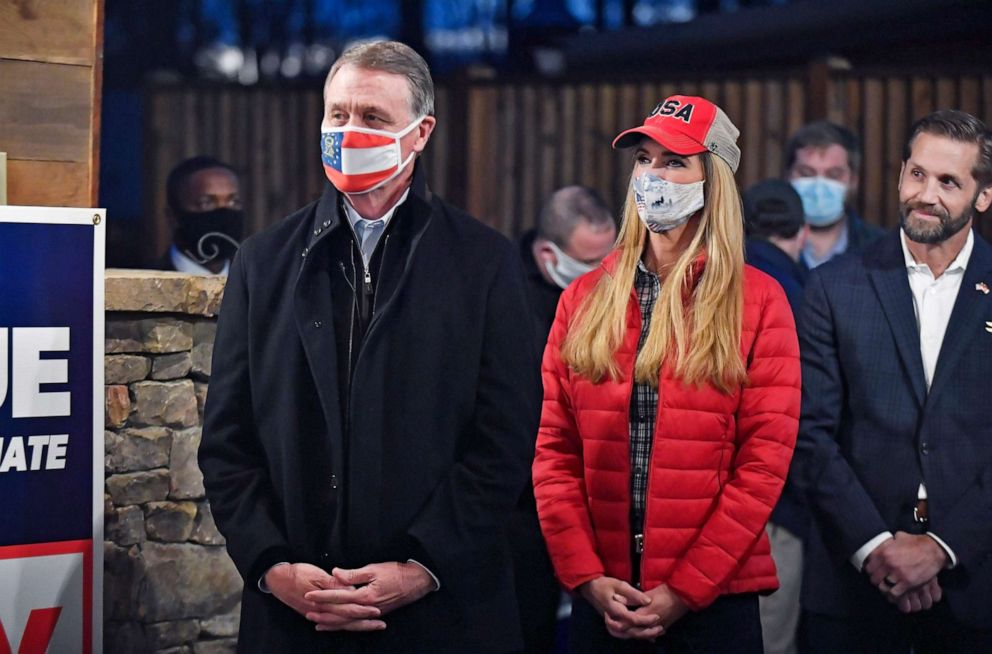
x=207, y=235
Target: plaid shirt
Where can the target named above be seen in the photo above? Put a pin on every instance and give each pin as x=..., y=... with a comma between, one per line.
x=643, y=402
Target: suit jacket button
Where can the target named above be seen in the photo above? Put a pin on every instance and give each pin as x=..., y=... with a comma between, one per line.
x=334, y=482
x=924, y=449
x=317, y=324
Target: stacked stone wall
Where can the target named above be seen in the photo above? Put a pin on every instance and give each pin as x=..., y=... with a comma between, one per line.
x=169, y=586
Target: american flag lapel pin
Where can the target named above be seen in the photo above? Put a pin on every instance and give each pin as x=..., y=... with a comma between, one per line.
x=983, y=287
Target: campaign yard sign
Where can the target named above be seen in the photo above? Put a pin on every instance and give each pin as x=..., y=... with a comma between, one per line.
x=51, y=429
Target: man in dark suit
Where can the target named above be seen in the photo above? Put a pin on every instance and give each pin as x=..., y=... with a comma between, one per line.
x=895, y=441
x=374, y=397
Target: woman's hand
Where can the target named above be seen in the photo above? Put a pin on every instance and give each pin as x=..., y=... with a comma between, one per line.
x=665, y=605
x=621, y=604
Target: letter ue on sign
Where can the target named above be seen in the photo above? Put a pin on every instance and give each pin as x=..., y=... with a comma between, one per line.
x=45, y=603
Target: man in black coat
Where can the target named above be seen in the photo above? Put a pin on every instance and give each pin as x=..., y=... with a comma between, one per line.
x=574, y=232
x=374, y=397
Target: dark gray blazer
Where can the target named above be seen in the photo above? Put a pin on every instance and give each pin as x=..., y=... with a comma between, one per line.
x=870, y=432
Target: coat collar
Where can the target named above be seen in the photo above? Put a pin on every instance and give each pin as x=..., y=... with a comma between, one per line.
x=612, y=260
x=887, y=271
x=327, y=215
x=971, y=309
x=886, y=267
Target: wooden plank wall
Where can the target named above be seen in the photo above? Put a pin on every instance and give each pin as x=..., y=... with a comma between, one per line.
x=51, y=66
x=882, y=107
x=502, y=147
x=527, y=140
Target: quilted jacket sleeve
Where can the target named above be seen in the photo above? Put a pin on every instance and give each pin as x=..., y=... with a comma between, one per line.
x=767, y=421
x=559, y=483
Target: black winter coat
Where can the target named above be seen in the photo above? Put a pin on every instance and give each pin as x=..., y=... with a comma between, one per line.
x=435, y=447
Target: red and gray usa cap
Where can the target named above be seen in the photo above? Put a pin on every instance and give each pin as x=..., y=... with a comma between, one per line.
x=687, y=125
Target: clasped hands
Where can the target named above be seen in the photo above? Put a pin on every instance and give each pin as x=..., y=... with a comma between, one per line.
x=631, y=613
x=904, y=569
x=348, y=600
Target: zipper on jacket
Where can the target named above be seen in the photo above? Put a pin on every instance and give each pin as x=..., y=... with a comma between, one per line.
x=375, y=298
x=351, y=323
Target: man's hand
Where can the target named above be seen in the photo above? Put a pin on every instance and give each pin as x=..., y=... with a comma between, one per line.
x=612, y=599
x=291, y=583
x=382, y=587
x=904, y=562
x=919, y=599
x=665, y=605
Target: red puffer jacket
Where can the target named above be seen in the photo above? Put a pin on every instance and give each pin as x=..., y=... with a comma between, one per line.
x=718, y=461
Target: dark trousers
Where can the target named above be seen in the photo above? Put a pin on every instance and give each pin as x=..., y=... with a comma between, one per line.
x=926, y=632
x=538, y=591
x=731, y=624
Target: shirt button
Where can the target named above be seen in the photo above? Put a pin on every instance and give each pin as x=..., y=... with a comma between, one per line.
x=638, y=470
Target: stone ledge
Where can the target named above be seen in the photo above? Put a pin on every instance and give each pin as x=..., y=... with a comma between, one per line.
x=160, y=291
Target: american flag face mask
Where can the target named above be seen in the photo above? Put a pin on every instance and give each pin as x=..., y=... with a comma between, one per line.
x=359, y=159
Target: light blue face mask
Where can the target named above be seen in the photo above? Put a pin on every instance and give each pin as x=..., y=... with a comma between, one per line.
x=823, y=199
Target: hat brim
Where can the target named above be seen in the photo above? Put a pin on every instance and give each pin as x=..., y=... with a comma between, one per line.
x=673, y=142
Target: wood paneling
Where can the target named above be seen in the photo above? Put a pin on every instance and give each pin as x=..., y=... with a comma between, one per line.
x=48, y=183
x=51, y=69
x=502, y=147
x=56, y=31
x=45, y=111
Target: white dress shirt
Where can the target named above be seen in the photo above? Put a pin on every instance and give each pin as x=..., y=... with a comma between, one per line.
x=933, y=301
x=370, y=229
x=184, y=264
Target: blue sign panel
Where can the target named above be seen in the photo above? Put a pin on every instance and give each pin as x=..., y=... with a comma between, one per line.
x=51, y=436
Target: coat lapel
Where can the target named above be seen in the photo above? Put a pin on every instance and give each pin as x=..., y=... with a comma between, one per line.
x=887, y=271
x=967, y=322
x=314, y=318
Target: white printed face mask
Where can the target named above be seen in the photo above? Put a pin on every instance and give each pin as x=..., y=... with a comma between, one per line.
x=359, y=159
x=823, y=199
x=567, y=270
x=664, y=205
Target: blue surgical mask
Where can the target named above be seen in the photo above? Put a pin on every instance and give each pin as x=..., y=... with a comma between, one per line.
x=823, y=199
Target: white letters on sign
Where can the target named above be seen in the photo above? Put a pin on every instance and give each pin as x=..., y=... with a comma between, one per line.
x=29, y=371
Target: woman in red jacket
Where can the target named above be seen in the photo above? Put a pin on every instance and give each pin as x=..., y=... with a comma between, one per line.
x=671, y=405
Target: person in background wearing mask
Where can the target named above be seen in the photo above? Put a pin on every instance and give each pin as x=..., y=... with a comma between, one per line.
x=374, y=396
x=823, y=161
x=575, y=230
x=671, y=404
x=203, y=201
x=776, y=231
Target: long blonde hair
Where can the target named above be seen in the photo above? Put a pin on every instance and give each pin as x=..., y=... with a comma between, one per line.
x=700, y=337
